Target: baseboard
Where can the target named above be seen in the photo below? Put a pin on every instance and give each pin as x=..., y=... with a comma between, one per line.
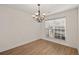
x=59, y=43
x=18, y=45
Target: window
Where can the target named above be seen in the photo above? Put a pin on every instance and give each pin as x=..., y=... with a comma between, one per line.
x=56, y=28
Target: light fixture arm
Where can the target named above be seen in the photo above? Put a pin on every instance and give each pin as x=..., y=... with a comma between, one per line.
x=39, y=9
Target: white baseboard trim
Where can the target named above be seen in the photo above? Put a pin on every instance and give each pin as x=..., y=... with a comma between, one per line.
x=18, y=45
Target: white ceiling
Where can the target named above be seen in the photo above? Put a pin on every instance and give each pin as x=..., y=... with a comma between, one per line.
x=45, y=8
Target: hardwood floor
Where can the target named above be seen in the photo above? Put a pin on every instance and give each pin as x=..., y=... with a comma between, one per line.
x=41, y=47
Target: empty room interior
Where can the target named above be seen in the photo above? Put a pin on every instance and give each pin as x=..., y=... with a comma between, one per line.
x=39, y=29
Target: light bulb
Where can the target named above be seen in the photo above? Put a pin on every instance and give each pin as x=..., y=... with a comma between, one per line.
x=36, y=17
x=36, y=13
x=44, y=14
x=33, y=16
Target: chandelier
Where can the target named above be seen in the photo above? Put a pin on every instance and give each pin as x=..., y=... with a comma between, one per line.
x=37, y=16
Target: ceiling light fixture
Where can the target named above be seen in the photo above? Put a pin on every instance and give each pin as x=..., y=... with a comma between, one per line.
x=37, y=16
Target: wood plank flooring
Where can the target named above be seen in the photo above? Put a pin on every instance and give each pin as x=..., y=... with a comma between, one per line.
x=41, y=47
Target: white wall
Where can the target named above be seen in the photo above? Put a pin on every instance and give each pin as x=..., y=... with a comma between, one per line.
x=78, y=30
x=16, y=28
x=71, y=28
